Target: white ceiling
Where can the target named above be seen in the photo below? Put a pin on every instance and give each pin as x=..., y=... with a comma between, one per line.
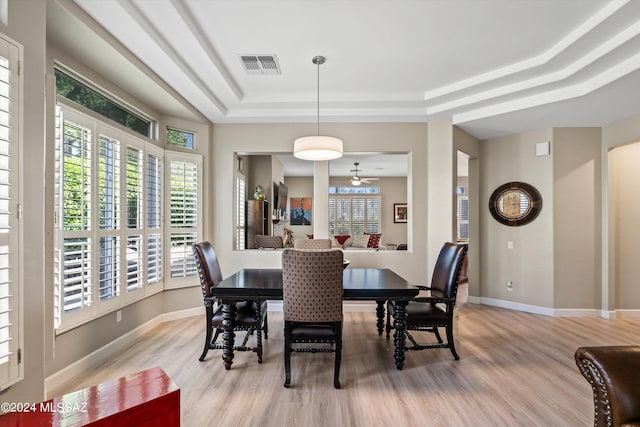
x=370, y=165
x=496, y=67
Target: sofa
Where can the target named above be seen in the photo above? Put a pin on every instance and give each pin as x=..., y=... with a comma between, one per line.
x=360, y=242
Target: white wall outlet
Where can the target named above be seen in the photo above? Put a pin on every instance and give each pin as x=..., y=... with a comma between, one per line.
x=509, y=285
x=118, y=316
x=509, y=244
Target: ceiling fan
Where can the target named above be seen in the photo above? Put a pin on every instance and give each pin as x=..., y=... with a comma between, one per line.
x=358, y=180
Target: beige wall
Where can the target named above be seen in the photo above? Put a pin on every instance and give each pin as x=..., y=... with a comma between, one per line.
x=616, y=263
x=440, y=188
x=626, y=178
x=577, y=218
x=530, y=264
x=297, y=187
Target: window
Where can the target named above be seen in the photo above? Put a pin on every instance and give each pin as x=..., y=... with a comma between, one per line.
x=180, y=138
x=463, y=218
x=113, y=191
x=184, y=215
x=108, y=222
x=154, y=217
x=82, y=94
x=355, y=214
x=240, y=214
x=11, y=325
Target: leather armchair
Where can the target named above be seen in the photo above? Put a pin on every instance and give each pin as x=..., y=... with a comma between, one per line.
x=614, y=375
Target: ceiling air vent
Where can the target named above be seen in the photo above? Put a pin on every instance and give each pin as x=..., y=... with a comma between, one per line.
x=260, y=64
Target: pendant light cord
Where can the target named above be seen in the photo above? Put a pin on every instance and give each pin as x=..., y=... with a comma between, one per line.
x=318, y=98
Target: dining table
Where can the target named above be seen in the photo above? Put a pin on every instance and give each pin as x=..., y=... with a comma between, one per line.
x=359, y=284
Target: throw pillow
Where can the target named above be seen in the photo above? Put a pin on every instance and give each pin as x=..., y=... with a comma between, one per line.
x=342, y=239
x=335, y=244
x=360, y=241
x=374, y=240
x=310, y=236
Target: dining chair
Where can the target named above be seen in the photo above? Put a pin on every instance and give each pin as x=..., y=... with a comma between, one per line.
x=312, y=305
x=312, y=244
x=428, y=313
x=613, y=372
x=250, y=315
x=269, y=242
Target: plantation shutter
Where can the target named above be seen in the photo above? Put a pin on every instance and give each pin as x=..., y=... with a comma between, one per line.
x=353, y=215
x=154, y=218
x=11, y=367
x=241, y=202
x=184, y=215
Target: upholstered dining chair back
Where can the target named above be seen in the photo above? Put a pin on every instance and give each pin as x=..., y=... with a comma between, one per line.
x=312, y=303
x=208, y=267
x=446, y=272
x=312, y=285
x=269, y=242
x=312, y=244
x=613, y=372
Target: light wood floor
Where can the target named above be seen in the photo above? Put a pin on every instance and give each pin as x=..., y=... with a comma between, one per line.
x=515, y=369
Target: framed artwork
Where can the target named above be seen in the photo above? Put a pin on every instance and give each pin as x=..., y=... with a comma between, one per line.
x=300, y=210
x=399, y=212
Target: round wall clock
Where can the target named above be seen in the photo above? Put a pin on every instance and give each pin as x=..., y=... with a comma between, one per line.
x=515, y=203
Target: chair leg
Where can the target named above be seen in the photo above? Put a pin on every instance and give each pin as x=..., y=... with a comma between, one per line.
x=266, y=326
x=450, y=341
x=259, y=343
x=336, y=372
x=259, y=332
x=215, y=337
x=287, y=354
x=438, y=337
x=207, y=340
x=388, y=325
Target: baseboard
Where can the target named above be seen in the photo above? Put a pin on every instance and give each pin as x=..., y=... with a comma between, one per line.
x=181, y=314
x=577, y=312
x=627, y=312
x=555, y=312
x=474, y=300
x=119, y=344
x=528, y=308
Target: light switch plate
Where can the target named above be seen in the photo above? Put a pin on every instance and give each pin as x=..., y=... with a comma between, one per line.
x=542, y=149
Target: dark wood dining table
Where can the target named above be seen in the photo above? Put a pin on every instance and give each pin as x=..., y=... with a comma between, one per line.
x=360, y=284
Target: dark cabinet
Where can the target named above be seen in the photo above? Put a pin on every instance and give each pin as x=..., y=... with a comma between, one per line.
x=257, y=221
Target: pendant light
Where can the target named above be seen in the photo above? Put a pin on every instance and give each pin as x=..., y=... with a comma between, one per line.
x=317, y=147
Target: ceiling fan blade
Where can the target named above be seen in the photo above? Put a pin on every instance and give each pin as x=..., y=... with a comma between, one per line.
x=369, y=179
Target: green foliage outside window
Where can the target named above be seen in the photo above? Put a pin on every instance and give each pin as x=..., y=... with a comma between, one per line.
x=179, y=138
x=83, y=95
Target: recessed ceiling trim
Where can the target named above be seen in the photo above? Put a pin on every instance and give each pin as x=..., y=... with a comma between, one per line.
x=177, y=59
x=198, y=33
x=580, y=64
x=610, y=75
x=532, y=62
